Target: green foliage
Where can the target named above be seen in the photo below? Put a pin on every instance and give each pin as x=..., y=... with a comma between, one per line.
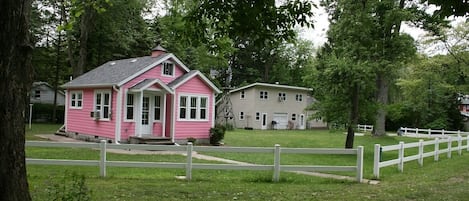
x=43, y=112
x=191, y=140
x=217, y=134
x=70, y=187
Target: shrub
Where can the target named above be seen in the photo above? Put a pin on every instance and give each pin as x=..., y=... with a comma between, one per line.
x=191, y=140
x=217, y=134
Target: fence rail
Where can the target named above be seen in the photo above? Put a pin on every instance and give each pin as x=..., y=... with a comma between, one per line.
x=276, y=167
x=429, y=132
x=365, y=128
x=401, y=158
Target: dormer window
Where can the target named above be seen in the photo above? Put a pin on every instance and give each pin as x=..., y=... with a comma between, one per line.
x=168, y=69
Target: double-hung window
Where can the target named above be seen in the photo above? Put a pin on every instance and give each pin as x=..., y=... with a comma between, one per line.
x=157, y=108
x=299, y=97
x=282, y=96
x=76, y=99
x=168, y=69
x=102, y=104
x=263, y=95
x=242, y=94
x=193, y=107
x=130, y=107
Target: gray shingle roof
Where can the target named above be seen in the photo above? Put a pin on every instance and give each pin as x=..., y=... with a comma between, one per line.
x=113, y=72
x=180, y=79
x=143, y=83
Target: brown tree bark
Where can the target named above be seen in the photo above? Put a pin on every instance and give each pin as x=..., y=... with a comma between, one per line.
x=86, y=24
x=15, y=83
x=353, y=117
x=382, y=84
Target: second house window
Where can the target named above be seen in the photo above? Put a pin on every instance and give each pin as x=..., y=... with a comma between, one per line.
x=102, y=104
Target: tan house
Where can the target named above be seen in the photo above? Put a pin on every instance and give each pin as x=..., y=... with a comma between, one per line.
x=268, y=106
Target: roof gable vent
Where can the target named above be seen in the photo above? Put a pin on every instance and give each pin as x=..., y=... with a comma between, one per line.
x=112, y=63
x=133, y=60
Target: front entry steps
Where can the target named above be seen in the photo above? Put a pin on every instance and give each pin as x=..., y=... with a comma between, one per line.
x=150, y=140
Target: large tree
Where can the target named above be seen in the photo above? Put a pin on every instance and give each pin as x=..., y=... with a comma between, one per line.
x=15, y=82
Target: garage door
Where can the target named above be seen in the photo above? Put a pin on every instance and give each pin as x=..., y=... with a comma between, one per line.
x=281, y=119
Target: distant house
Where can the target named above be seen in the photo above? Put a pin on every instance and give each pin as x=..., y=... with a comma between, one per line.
x=269, y=106
x=42, y=92
x=153, y=96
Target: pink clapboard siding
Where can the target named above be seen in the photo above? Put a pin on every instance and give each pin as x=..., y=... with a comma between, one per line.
x=155, y=73
x=195, y=129
x=80, y=121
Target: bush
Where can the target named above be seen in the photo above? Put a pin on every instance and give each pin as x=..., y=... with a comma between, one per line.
x=191, y=140
x=217, y=134
x=43, y=113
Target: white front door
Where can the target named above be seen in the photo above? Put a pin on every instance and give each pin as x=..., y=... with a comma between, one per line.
x=146, y=122
x=302, y=121
x=264, y=121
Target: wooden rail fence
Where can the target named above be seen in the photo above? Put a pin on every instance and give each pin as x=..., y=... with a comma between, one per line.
x=276, y=167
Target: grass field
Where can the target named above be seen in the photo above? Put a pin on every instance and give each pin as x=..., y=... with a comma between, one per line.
x=443, y=180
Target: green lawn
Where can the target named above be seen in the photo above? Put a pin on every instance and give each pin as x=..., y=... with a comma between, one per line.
x=443, y=180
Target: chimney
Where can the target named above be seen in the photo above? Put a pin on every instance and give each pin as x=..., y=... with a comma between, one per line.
x=157, y=51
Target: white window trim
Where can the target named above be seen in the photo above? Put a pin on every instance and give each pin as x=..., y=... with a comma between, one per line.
x=282, y=96
x=258, y=116
x=242, y=94
x=188, y=108
x=160, y=106
x=299, y=97
x=265, y=96
x=162, y=69
x=241, y=116
x=76, y=100
x=101, y=114
x=125, y=108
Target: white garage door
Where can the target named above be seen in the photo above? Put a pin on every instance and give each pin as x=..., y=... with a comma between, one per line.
x=281, y=119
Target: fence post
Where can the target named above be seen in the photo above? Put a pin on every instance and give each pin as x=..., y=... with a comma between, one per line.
x=102, y=158
x=450, y=146
x=400, y=166
x=421, y=152
x=377, y=157
x=405, y=130
x=276, y=163
x=437, y=147
x=416, y=131
x=360, y=163
x=190, y=148
x=467, y=142
x=443, y=131
x=459, y=145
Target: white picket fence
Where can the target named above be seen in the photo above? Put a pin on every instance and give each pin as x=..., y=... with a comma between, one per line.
x=401, y=158
x=103, y=163
x=419, y=132
x=365, y=128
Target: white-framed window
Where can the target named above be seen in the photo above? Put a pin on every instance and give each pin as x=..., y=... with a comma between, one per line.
x=299, y=97
x=293, y=117
x=241, y=115
x=37, y=94
x=193, y=107
x=102, y=104
x=157, y=108
x=168, y=69
x=263, y=95
x=130, y=107
x=258, y=116
x=282, y=96
x=242, y=94
x=76, y=99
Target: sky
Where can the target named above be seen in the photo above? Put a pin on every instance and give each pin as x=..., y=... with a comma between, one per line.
x=321, y=24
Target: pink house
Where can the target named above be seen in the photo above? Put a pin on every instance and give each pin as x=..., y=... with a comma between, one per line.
x=151, y=97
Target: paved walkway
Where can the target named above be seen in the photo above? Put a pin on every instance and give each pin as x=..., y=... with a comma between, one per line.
x=59, y=138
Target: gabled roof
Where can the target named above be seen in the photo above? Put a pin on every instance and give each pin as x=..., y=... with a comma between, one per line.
x=39, y=83
x=184, y=78
x=272, y=86
x=119, y=72
x=146, y=83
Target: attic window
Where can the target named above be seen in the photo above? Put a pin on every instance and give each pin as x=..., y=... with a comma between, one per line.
x=168, y=69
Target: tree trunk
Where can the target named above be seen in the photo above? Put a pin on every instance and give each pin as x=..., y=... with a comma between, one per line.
x=85, y=28
x=353, y=118
x=15, y=83
x=57, y=61
x=379, y=128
